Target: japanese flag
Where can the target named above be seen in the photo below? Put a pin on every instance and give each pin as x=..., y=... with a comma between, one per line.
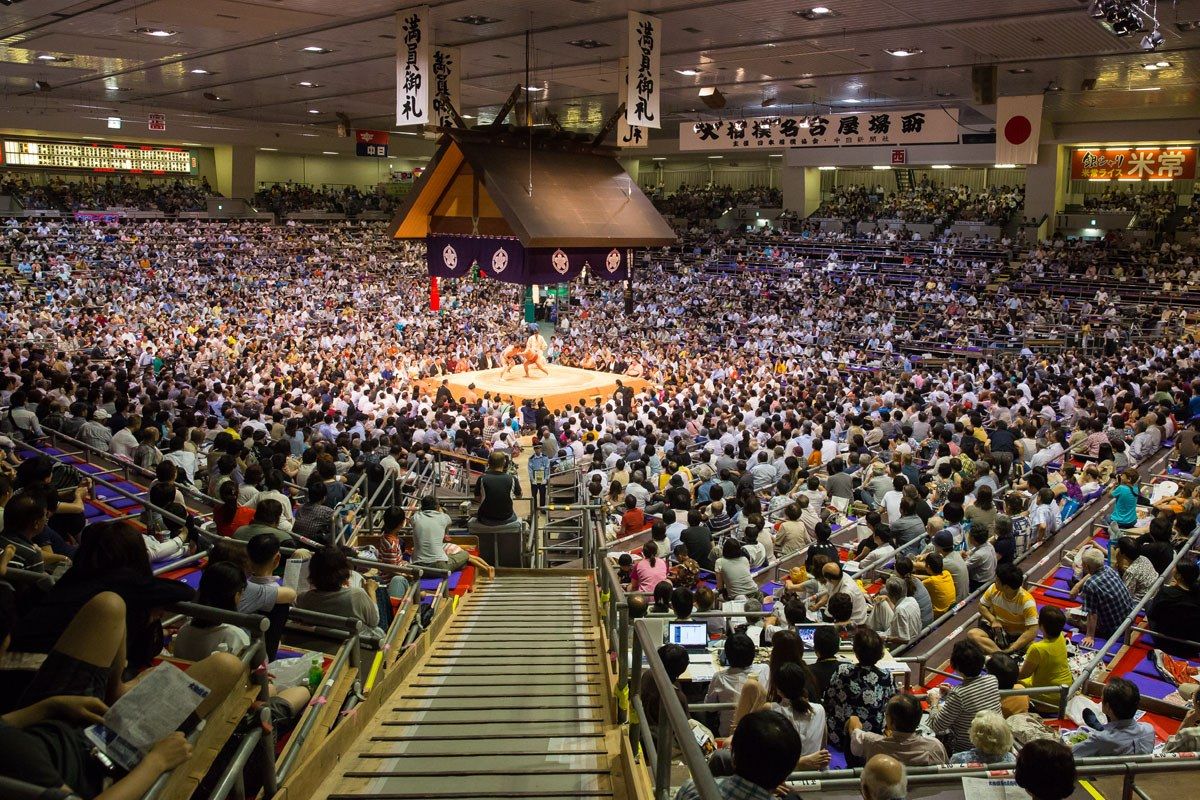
x=1018, y=123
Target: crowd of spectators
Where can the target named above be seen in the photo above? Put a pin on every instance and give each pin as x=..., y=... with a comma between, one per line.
x=58, y=194
x=1152, y=207
x=247, y=358
x=701, y=205
x=283, y=198
x=925, y=203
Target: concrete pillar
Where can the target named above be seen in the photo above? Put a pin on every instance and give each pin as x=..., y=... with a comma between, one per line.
x=235, y=170
x=801, y=188
x=1046, y=186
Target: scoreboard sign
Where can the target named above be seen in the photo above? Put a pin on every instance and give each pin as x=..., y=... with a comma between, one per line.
x=99, y=157
x=372, y=144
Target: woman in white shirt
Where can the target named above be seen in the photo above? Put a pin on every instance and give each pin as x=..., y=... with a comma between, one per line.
x=807, y=717
x=221, y=586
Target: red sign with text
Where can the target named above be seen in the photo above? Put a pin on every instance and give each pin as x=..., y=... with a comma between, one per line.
x=373, y=144
x=899, y=156
x=1133, y=163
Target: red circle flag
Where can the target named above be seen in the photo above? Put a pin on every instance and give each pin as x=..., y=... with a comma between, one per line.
x=1017, y=129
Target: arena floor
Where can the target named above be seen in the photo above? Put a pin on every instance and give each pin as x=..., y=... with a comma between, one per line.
x=563, y=386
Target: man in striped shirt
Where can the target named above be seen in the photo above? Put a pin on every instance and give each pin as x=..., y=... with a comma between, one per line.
x=976, y=693
x=1008, y=615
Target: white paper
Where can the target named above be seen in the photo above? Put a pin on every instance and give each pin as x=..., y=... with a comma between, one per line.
x=445, y=69
x=295, y=573
x=155, y=707
x=992, y=789
x=735, y=605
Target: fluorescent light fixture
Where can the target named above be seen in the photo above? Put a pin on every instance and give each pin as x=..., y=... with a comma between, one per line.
x=269, y=149
x=879, y=166
x=707, y=91
x=940, y=166
x=852, y=100
x=1147, y=89
x=405, y=133
x=158, y=33
x=314, y=111
x=199, y=71
x=191, y=144
x=658, y=158
x=308, y=84
x=312, y=48
x=535, y=88
x=688, y=73
x=329, y=152
x=904, y=52
x=716, y=156
x=774, y=155
x=826, y=169
x=114, y=123
x=47, y=57
x=468, y=116
x=1004, y=166
x=1151, y=67
x=820, y=11
x=1163, y=64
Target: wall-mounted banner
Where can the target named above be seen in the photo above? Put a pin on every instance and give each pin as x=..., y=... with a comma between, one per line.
x=372, y=144
x=1133, y=163
x=413, y=32
x=865, y=129
x=1018, y=128
x=627, y=135
x=505, y=259
x=446, y=69
x=645, y=84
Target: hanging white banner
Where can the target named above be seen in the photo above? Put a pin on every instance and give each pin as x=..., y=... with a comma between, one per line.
x=865, y=129
x=413, y=33
x=1018, y=129
x=645, y=56
x=627, y=135
x=446, y=69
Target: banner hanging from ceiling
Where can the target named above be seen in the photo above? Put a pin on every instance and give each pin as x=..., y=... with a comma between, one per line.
x=1133, y=163
x=865, y=129
x=645, y=66
x=627, y=135
x=1018, y=129
x=413, y=79
x=446, y=69
x=505, y=259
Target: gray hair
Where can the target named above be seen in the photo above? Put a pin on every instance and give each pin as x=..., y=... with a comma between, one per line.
x=895, y=589
x=1092, y=559
x=990, y=734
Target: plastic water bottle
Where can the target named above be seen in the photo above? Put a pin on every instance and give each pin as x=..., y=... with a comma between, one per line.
x=315, y=673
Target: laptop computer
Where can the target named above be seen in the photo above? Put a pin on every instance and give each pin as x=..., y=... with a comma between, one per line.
x=692, y=636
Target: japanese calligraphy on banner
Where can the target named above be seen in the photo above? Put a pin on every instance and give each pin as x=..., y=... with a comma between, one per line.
x=645, y=56
x=371, y=144
x=1133, y=163
x=446, y=70
x=869, y=128
x=412, y=66
x=627, y=135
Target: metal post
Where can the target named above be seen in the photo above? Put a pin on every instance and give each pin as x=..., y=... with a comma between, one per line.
x=663, y=743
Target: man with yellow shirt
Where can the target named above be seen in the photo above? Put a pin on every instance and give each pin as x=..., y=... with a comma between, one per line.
x=1008, y=615
x=940, y=585
x=1046, y=662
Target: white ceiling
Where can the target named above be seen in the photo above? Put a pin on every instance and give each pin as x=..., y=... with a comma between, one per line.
x=750, y=49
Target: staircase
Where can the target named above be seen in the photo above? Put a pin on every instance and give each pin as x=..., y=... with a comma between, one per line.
x=512, y=700
x=906, y=179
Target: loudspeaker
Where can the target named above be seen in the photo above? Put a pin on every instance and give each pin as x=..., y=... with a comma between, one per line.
x=983, y=82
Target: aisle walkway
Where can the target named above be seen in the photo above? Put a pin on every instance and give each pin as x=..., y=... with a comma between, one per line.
x=512, y=701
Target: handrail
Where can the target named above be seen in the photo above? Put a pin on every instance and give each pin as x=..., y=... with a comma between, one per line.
x=1119, y=632
x=13, y=789
x=25, y=577
x=255, y=624
x=672, y=721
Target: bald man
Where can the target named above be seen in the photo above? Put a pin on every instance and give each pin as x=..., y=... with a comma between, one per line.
x=883, y=778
